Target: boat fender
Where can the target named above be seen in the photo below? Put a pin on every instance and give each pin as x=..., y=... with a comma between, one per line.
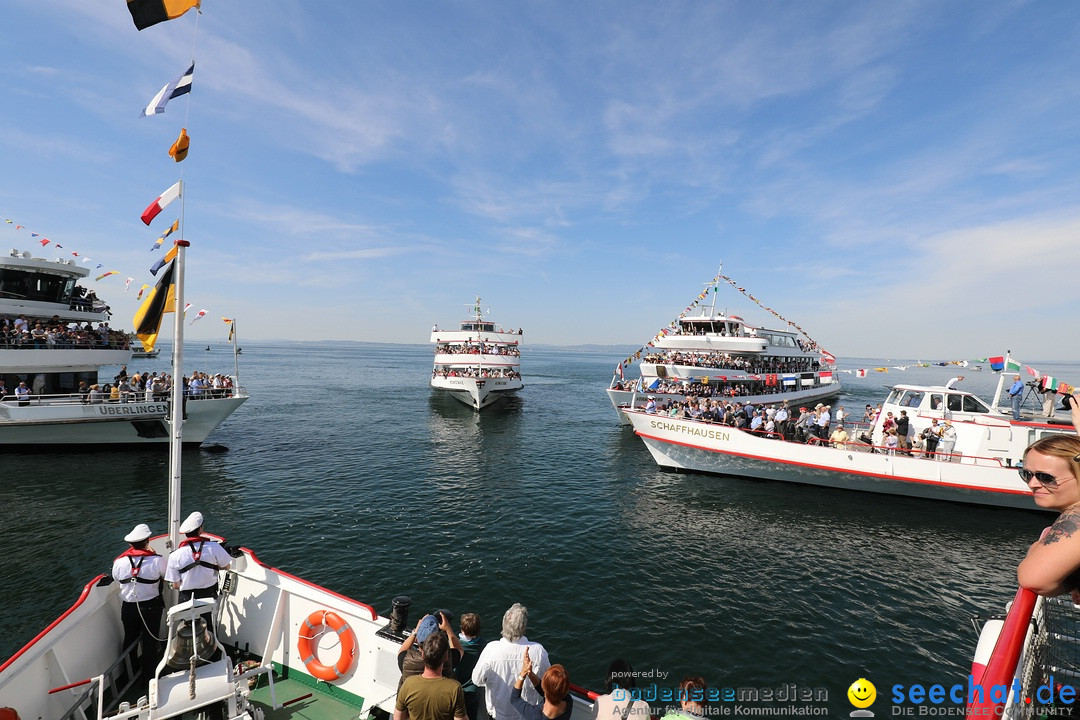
x=307, y=650
x=987, y=640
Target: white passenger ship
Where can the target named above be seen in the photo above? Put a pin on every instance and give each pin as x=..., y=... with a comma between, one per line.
x=478, y=363
x=47, y=291
x=980, y=468
x=710, y=353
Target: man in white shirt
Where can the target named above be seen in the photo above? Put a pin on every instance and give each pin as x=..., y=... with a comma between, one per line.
x=500, y=662
x=139, y=570
x=193, y=567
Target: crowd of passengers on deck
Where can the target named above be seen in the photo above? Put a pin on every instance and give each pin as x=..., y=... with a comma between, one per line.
x=475, y=373
x=818, y=425
x=140, y=387
x=18, y=332
x=716, y=359
x=476, y=349
x=707, y=390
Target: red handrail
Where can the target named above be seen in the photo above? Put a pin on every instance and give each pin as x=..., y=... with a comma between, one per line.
x=1001, y=668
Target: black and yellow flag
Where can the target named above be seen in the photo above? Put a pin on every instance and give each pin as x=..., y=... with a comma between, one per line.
x=161, y=300
x=150, y=12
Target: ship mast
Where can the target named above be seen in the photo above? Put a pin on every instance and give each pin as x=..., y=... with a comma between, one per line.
x=715, y=284
x=176, y=423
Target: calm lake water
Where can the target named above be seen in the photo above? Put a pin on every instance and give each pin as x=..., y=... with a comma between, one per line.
x=345, y=469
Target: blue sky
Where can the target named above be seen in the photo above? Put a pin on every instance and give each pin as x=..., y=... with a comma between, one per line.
x=899, y=178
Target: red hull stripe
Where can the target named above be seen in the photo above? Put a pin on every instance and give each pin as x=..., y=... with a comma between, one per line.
x=935, y=483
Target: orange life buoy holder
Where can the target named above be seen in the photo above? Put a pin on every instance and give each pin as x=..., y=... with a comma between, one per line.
x=307, y=650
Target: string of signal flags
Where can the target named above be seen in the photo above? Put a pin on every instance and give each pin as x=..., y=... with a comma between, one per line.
x=146, y=13
x=997, y=364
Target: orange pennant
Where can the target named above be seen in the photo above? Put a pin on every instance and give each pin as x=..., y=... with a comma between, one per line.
x=179, y=149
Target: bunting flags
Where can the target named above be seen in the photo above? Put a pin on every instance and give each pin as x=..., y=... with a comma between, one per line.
x=160, y=300
x=860, y=373
x=153, y=209
x=145, y=13
x=1012, y=366
x=180, y=86
x=198, y=316
x=997, y=362
x=107, y=274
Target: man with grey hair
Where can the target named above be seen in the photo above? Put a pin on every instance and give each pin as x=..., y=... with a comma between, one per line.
x=500, y=662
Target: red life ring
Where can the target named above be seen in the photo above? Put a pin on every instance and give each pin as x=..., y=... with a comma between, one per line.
x=307, y=650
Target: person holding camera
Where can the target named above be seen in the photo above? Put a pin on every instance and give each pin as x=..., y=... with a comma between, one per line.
x=1049, y=396
x=410, y=654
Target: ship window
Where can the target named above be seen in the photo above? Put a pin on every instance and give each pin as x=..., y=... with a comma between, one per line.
x=973, y=404
x=954, y=401
x=935, y=402
x=34, y=286
x=914, y=399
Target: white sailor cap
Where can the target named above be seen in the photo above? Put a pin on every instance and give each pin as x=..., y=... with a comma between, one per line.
x=140, y=533
x=194, y=522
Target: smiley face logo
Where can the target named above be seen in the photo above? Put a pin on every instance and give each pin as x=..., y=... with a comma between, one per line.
x=862, y=693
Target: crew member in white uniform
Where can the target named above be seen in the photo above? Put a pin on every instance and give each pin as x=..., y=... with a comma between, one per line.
x=193, y=567
x=140, y=571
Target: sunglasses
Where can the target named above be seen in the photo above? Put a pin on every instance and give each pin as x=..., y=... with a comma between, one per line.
x=1045, y=479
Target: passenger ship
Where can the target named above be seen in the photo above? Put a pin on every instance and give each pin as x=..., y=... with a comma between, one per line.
x=478, y=363
x=979, y=467
x=37, y=289
x=710, y=353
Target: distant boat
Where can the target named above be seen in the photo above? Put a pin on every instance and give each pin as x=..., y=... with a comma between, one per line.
x=478, y=363
x=138, y=352
x=208, y=348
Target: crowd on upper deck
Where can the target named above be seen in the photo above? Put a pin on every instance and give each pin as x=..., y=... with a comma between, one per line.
x=20, y=332
x=471, y=372
x=716, y=359
x=474, y=348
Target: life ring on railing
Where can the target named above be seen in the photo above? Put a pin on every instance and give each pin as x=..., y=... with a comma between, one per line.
x=307, y=650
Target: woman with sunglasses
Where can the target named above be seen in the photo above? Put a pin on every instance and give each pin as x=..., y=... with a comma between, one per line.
x=1052, y=471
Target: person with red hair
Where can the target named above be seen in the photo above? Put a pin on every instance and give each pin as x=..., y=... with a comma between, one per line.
x=554, y=687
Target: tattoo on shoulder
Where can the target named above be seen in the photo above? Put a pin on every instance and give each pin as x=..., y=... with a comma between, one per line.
x=1064, y=527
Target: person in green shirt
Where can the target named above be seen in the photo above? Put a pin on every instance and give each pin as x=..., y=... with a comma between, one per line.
x=691, y=699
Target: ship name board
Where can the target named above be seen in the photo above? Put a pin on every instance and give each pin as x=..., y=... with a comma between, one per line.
x=161, y=409
x=707, y=433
